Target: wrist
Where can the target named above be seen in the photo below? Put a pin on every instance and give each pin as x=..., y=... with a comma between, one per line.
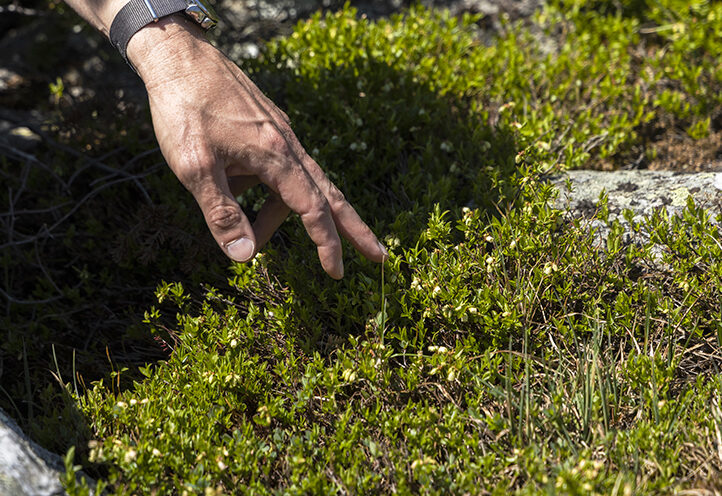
x=158, y=49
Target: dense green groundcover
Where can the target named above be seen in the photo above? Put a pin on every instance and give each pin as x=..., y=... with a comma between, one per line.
x=500, y=348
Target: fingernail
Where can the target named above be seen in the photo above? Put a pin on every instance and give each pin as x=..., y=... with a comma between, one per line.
x=241, y=249
x=340, y=270
x=384, y=251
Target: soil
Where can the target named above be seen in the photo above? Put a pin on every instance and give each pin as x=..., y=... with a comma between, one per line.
x=678, y=152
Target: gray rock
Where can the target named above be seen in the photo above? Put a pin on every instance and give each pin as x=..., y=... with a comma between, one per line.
x=9, y=80
x=18, y=137
x=639, y=191
x=25, y=467
x=642, y=192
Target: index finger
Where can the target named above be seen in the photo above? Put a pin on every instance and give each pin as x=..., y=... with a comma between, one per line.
x=297, y=190
x=347, y=220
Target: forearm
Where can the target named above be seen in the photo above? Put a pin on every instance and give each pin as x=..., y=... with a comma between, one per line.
x=150, y=42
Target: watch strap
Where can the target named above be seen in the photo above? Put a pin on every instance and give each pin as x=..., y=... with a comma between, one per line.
x=137, y=13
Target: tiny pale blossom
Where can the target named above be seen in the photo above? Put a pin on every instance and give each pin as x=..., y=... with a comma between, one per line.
x=550, y=267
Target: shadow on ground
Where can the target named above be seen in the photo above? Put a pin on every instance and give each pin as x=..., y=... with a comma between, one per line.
x=92, y=221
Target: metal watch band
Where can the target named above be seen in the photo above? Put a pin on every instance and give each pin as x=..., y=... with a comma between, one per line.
x=136, y=14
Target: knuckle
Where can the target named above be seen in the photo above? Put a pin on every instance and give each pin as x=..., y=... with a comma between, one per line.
x=195, y=163
x=318, y=211
x=223, y=217
x=336, y=196
x=277, y=142
x=334, y=244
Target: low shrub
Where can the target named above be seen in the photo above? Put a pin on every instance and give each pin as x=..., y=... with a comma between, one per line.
x=501, y=348
x=503, y=353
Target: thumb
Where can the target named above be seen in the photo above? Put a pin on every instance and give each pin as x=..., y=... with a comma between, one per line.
x=227, y=222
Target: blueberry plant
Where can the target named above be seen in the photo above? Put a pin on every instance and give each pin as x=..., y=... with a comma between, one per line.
x=503, y=347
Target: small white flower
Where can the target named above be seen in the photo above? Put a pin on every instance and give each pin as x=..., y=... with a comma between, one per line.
x=392, y=241
x=96, y=454
x=348, y=375
x=550, y=267
x=447, y=147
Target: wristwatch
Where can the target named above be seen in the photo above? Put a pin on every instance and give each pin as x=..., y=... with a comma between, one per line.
x=138, y=13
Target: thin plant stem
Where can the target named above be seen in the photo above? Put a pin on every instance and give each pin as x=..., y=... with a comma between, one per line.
x=383, y=304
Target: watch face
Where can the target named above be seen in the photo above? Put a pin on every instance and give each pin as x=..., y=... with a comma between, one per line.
x=202, y=12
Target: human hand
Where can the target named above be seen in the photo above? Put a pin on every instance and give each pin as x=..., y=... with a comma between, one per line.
x=220, y=135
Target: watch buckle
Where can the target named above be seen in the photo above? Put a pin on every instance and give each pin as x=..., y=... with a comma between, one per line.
x=200, y=13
